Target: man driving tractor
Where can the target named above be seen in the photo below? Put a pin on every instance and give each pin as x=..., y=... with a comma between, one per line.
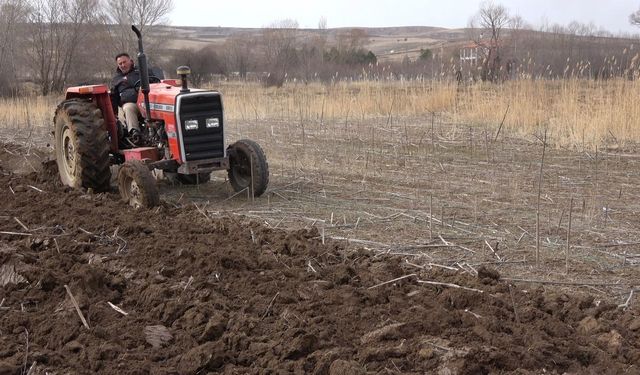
x=124, y=93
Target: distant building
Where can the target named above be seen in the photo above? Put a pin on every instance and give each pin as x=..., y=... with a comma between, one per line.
x=470, y=53
x=485, y=59
x=474, y=52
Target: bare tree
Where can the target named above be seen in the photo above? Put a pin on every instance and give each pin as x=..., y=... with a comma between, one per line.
x=491, y=19
x=204, y=63
x=634, y=18
x=311, y=56
x=279, y=43
x=517, y=29
x=518, y=23
x=13, y=14
x=239, y=52
x=142, y=13
x=322, y=23
x=58, y=29
x=352, y=39
x=574, y=27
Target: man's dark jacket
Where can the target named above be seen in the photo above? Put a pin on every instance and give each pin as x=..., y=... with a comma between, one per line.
x=122, y=88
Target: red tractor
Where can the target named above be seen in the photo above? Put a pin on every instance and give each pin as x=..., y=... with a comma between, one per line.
x=182, y=134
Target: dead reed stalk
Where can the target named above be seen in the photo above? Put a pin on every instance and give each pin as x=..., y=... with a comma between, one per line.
x=540, y=177
x=566, y=263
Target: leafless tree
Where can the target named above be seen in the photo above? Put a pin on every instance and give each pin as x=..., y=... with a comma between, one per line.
x=634, y=18
x=492, y=18
x=352, y=39
x=311, y=56
x=516, y=26
x=239, y=53
x=516, y=22
x=58, y=29
x=143, y=13
x=13, y=14
x=322, y=23
x=279, y=43
x=204, y=63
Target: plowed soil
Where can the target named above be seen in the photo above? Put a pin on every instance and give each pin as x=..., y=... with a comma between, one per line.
x=202, y=295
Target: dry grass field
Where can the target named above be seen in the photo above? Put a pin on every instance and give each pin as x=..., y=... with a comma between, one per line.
x=441, y=174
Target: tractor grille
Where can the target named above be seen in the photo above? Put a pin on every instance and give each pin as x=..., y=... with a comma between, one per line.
x=201, y=143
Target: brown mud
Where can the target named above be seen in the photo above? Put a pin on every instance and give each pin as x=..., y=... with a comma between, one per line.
x=227, y=295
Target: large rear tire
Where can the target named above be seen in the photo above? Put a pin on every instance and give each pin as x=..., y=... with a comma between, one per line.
x=137, y=186
x=82, y=145
x=246, y=161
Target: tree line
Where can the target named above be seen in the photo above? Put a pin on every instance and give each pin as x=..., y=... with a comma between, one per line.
x=511, y=48
x=281, y=52
x=47, y=45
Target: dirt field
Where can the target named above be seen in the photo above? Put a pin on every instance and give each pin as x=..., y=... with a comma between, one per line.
x=427, y=266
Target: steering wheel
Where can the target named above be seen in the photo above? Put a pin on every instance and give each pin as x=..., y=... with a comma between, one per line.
x=152, y=79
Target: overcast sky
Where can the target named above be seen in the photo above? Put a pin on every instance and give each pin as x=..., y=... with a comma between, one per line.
x=609, y=14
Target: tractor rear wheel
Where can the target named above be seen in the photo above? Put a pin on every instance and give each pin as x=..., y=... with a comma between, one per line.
x=137, y=186
x=248, y=167
x=189, y=179
x=82, y=145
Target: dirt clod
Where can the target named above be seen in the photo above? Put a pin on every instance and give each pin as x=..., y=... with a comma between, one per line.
x=8, y=369
x=214, y=329
x=8, y=275
x=301, y=346
x=385, y=333
x=157, y=336
x=342, y=367
x=588, y=325
x=488, y=274
x=208, y=356
x=611, y=341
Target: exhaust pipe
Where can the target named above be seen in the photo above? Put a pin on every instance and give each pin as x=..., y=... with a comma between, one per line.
x=144, y=74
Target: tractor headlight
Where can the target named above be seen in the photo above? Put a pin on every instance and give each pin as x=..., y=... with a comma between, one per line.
x=191, y=124
x=213, y=123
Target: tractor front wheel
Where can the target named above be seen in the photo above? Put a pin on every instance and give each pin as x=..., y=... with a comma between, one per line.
x=82, y=145
x=137, y=186
x=248, y=167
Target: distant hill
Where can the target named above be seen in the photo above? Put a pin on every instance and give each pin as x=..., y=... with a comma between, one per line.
x=388, y=43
